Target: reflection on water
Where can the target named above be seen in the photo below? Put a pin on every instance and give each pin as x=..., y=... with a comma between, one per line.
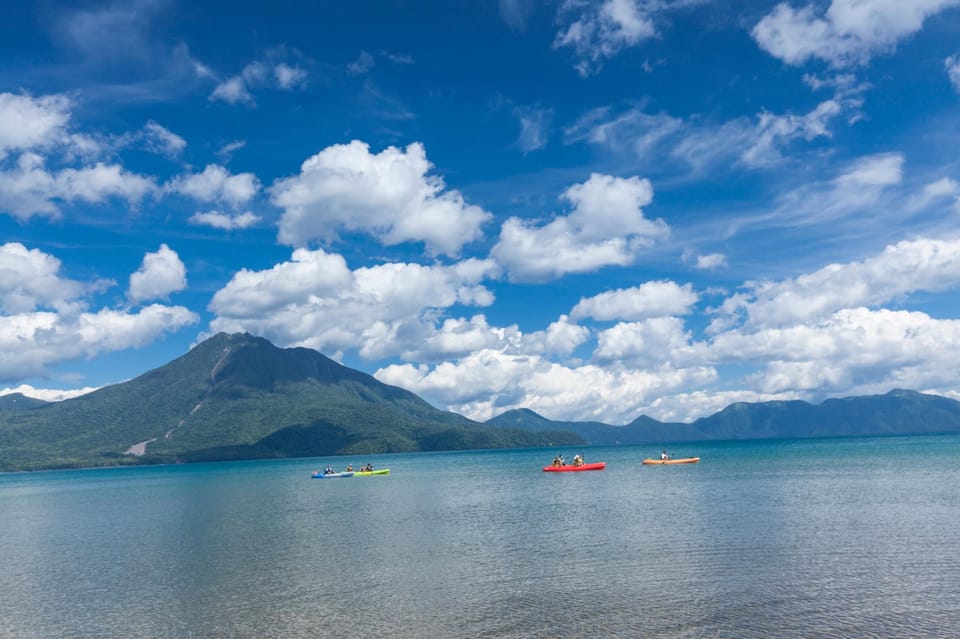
x=824, y=538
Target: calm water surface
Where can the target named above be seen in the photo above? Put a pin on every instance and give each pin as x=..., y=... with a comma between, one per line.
x=810, y=538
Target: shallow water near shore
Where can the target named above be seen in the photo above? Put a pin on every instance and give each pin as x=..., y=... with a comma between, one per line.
x=799, y=538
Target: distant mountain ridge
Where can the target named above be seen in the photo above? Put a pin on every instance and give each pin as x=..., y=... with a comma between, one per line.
x=240, y=397
x=899, y=412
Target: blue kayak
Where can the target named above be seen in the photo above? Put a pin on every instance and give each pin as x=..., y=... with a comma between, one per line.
x=319, y=475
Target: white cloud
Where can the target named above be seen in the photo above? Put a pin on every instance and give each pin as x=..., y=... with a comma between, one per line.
x=232, y=91
x=388, y=195
x=561, y=338
x=602, y=30
x=778, y=129
x=952, y=65
x=489, y=382
x=266, y=73
x=289, y=77
x=862, y=188
x=647, y=344
x=639, y=132
x=160, y=274
x=516, y=12
x=315, y=300
x=30, y=279
x=225, y=153
x=362, y=64
x=707, y=262
x=852, y=351
x=606, y=227
x=650, y=299
x=32, y=342
x=95, y=184
x=161, y=140
x=848, y=34
x=32, y=123
x=29, y=189
x=750, y=142
x=216, y=184
x=534, y=127
x=457, y=337
x=936, y=191
x=224, y=221
x=398, y=58
x=48, y=394
x=903, y=268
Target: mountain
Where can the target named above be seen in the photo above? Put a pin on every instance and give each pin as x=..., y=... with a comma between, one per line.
x=899, y=412
x=19, y=401
x=241, y=397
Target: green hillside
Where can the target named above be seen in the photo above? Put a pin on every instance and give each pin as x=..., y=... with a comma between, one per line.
x=19, y=401
x=240, y=397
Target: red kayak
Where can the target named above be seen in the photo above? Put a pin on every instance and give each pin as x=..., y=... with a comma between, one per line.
x=571, y=468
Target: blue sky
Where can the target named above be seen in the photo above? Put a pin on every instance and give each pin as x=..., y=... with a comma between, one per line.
x=594, y=209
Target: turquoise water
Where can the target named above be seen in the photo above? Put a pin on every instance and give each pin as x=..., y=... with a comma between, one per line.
x=806, y=538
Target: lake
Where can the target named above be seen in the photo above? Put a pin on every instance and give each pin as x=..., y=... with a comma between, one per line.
x=799, y=538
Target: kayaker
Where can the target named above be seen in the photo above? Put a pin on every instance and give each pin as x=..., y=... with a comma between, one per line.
x=578, y=460
x=664, y=456
x=349, y=468
x=328, y=470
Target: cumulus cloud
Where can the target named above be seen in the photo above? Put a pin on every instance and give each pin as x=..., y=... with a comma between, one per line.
x=650, y=299
x=32, y=123
x=648, y=344
x=489, y=382
x=848, y=34
x=561, y=337
x=901, y=269
x=388, y=195
x=216, y=184
x=30, y=279
x=606, y=227
x=160, y=274
x=30, y=343
x=30, y=189
x=45, y=317
x=601, y=31
x=315, y=300
x=224, y=221
x=853, y=351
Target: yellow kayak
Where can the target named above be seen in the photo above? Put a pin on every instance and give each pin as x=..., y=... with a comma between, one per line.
x=680, y=460
x=367, y=473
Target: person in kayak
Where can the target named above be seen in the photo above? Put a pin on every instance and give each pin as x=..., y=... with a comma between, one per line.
x=328, y=470
x=578, y=460
x=664, y=456
x=558, y=460
x=349, y=468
